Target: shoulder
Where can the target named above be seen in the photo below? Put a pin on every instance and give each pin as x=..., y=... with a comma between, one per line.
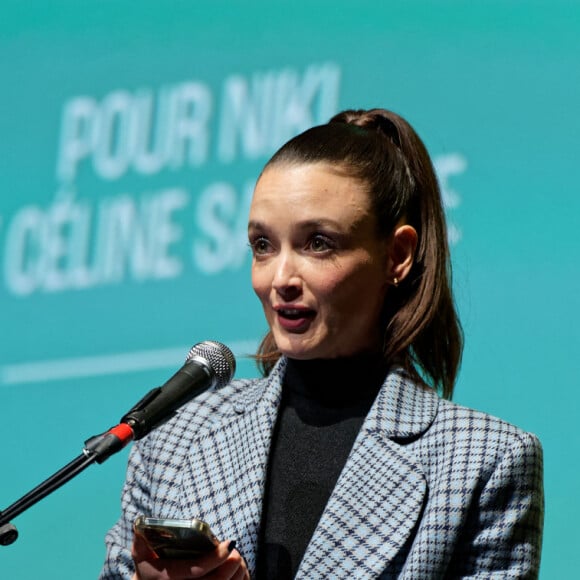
x=200, y=415
x=213, y=406
x=223, y=408
x=466, y=438
x=467, y=424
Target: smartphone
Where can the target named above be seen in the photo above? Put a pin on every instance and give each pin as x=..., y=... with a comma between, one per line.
x=177, y=539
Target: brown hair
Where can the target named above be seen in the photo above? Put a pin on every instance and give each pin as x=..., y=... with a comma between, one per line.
x=422, y=330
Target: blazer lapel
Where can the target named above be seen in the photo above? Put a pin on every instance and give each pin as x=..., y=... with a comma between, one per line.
x=380, y=493
x=224, y=481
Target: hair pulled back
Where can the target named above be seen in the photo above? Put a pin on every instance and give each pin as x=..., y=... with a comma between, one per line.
x=421, y=328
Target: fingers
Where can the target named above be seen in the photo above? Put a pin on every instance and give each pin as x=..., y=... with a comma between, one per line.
x=140, y=549
x=205, y=565
x=234, y=568
x=242, y=572
x=224, y=563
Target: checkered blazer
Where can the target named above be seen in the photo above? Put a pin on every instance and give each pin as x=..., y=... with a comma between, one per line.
x=430, y=489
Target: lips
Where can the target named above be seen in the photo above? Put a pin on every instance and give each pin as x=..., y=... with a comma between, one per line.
x=294, y=319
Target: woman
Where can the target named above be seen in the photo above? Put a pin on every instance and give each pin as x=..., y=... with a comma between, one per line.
x=344, y=461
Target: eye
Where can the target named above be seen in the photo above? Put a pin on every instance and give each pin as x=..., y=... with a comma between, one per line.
x=320, y=243
x=260, y=245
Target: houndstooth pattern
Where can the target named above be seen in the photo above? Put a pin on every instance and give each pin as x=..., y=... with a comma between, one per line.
x=430, y=489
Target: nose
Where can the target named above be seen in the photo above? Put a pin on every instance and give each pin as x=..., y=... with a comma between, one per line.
x=287, y=281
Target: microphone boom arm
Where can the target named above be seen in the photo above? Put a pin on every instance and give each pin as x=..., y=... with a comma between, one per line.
x=208, y=364
x=98, y=448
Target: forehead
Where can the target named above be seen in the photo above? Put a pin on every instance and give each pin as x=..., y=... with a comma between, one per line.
x=309, y=191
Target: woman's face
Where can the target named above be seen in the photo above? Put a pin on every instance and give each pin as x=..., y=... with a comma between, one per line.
x=319, y=267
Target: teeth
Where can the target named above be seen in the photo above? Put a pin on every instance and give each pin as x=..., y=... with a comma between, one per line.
x=292, y=312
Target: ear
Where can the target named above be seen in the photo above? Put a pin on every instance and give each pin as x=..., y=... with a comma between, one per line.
x=402, y=252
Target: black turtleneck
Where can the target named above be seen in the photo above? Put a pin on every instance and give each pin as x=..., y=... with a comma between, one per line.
x=324, y=403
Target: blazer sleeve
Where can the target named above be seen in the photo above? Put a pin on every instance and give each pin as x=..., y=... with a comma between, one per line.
x=506, y=539
x=135, y=500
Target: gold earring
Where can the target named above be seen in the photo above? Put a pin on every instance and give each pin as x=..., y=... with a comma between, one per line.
x=395, y=281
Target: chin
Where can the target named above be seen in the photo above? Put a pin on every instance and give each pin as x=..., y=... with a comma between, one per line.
x=307, y=352
x=292, y=349
x=298, y=353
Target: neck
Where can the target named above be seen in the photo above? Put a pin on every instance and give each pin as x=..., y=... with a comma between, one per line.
x=337, y=382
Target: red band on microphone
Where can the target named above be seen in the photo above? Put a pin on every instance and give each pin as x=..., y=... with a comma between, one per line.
x=123, y=432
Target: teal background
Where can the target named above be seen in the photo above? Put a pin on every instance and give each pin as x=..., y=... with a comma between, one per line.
x=491, y=86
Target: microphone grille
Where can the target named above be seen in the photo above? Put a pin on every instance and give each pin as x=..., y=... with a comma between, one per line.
x=218, y=357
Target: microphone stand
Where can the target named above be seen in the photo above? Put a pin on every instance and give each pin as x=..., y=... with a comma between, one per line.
x=207, y=364
x=98, y=448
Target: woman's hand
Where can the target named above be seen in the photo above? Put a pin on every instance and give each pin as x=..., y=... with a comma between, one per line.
x=223, y=563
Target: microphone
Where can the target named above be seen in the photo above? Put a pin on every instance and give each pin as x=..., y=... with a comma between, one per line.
x=208, y=365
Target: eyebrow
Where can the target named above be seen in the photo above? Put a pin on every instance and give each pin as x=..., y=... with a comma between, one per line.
x=305, y=225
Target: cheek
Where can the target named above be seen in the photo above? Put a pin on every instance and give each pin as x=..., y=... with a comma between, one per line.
x=348, y=292
x=334, y=290
x=260, y=283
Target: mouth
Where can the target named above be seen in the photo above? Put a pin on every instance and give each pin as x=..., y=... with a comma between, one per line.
x=294, y=319
x=294, y=313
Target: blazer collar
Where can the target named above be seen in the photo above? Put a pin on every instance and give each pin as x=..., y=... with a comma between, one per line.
x=403, y=408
